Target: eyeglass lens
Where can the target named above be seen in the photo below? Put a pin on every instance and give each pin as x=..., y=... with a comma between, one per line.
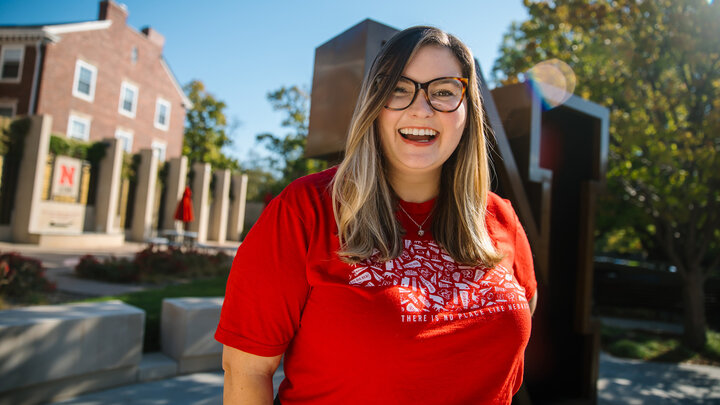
x=444, y=94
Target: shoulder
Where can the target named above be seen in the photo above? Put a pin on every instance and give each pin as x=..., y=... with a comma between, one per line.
x=500, y=211
x=310, y=189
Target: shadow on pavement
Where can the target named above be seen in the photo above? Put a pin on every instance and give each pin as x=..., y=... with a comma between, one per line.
x=634, y=382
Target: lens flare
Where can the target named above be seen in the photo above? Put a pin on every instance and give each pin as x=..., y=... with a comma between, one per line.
x=553, y=80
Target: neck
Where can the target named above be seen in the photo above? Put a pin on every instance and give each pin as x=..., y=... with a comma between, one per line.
x=414, y=187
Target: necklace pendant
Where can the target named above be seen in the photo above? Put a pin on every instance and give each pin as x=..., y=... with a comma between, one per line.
x=421, y=232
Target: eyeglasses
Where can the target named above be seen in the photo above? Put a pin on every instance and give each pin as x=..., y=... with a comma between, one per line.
x=444, y=94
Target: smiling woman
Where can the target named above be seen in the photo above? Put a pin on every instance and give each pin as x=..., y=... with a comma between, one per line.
x=396, y=277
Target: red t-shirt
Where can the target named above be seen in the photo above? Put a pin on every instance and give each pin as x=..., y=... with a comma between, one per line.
x=419, y=329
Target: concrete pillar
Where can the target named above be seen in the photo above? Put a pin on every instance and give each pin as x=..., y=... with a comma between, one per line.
x=108, y=187
x=177, y=172
x=30, y=180
x=237, y=206
x=201, y=190
x=144, y=196
x=219, y=210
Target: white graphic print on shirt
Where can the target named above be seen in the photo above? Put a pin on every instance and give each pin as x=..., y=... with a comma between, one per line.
x=433, y=287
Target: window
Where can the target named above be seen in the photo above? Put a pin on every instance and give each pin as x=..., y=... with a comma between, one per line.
x=162, y=114
x=125, y=138
x=78, y=127
x=128, y=99
x=6, y=111
x=159, y=148
x=11, y=63
x=7, y=108
x=134, y=55
x=84, y=83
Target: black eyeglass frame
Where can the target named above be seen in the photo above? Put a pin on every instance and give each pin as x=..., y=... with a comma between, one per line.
x=424, y=86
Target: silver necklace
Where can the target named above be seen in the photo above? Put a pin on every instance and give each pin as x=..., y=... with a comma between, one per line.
x=420, y=230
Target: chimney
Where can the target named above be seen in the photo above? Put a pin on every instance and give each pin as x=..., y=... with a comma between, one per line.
x=110, y=10
x=154, y=37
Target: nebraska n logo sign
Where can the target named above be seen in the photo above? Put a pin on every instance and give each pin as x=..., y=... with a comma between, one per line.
x=66, y=177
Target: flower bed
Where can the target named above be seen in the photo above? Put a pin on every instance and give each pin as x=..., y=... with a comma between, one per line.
x=22, y=280
x=154, y=265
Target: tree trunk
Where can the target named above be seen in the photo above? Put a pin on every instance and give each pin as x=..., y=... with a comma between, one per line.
x=694, y=307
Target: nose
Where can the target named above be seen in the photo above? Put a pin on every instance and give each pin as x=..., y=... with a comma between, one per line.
x=421, y=106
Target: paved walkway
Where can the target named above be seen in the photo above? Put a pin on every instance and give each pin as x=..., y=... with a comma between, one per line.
x=621, y=382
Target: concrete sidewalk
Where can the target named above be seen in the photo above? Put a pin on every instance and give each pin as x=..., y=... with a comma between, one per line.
x=626, y=382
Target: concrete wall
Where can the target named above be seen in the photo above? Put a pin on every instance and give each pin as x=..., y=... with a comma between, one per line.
x=54, y=352
x=236, y=222
x=108, y=188
x=144, y=196
x=175, y=183
x=187, y=332
x=217, y=230
x=30, y=175
x=201, y=190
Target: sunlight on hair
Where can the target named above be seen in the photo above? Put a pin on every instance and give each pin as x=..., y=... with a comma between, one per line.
x=554, y=80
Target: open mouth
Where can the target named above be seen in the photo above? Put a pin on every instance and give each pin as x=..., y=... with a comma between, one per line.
x=421, y=135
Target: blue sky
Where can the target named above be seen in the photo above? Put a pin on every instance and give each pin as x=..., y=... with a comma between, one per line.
x=242, y=50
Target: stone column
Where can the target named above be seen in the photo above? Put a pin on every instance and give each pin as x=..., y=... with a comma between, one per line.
x=177, y=172
x=108, y=188
x=237, y=206
x=144, y=196
x=30, y=180
x=219, y=210
x=200, y=189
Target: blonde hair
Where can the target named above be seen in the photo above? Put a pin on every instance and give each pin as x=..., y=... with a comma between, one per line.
x=363, y=199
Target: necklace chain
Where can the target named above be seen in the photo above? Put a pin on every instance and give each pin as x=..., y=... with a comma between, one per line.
x=420, y=232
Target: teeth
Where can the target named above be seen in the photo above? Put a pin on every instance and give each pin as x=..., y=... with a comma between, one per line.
x=418, y=132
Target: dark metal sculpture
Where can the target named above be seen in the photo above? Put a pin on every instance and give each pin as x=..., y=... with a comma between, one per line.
x=550, y=163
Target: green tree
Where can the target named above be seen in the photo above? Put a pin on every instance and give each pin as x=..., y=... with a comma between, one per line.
x=206, y=129
x=288, y=159
x=656, y=65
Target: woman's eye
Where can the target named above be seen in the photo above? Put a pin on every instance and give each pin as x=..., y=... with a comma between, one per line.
x=401, y=90
x=443, y=93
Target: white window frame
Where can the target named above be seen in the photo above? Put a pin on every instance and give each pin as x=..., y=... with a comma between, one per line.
x=161, y=148
x=20, y=67
x=162, y=102
x=82, y=64
x=10, y=103
x=134, y=88
x=127, y=135
x=85, y=120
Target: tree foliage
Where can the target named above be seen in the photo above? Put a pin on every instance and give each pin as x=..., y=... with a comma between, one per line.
x=207, y=130
x=656, y=65
x=287, y=159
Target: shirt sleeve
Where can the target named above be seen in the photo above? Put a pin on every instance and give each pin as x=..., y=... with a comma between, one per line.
x=523, y=262
x=267, y=287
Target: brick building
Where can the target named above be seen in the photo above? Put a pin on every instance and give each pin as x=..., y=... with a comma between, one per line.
x=97, y=79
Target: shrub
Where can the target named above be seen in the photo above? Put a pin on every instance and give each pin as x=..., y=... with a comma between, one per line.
x=155, y=265
x=116, y=270
x=22, y=279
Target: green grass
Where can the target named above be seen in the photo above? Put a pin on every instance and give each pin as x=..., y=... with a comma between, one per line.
x=151, y=302
x=658, y=347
